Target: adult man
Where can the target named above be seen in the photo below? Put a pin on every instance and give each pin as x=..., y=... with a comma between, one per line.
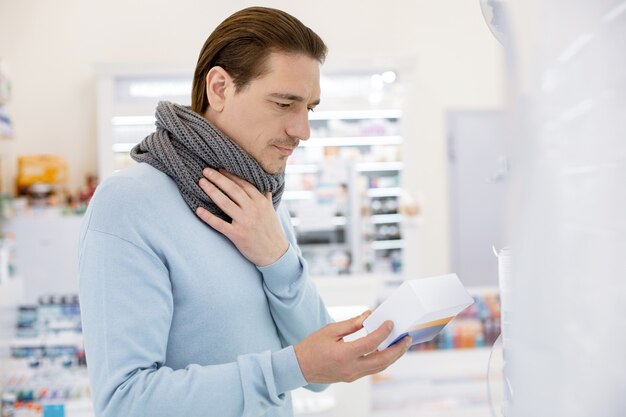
x=183, y=319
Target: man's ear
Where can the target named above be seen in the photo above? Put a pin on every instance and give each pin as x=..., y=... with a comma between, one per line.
x=217, y=81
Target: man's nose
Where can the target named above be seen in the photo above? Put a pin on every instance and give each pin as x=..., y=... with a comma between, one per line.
x=299, y=126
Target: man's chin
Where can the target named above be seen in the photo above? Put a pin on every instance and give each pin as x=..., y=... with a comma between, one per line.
x=274, y=169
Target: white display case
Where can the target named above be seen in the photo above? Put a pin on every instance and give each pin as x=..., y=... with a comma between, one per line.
x=345, y=187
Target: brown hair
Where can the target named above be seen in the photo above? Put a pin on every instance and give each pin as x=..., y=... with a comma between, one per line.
x=242, y=43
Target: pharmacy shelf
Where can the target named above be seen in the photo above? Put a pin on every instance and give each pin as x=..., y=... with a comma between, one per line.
x=298, y=195
x=384, y=192
x=385, y=218
x=323, y=247
x=301, y=169
x=336, y=221
x=379, y=166
x=388, y=244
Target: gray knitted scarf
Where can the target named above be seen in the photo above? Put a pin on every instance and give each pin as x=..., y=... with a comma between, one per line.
x=185, y=143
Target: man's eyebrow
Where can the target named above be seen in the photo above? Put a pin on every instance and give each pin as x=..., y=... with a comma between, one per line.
x=293, y=97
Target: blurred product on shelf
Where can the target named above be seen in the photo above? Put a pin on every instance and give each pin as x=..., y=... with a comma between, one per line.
x=47, y=368
x=7, y=256
x=85, y=193
x=5, y=83
x=6, y=128
x=78, y=203
x=41, y=176
x=410, y=207
x=6, y=201
x=7, y=241
x=51, y=329
x=42, y=182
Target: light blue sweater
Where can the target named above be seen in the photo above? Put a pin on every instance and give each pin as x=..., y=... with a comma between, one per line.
x=176, y=322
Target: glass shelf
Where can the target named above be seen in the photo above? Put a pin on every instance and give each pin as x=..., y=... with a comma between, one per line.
x=384, y=192
x=388, y=244
x=385, y=218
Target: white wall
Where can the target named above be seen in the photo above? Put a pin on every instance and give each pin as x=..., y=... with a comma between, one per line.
x=51, y=48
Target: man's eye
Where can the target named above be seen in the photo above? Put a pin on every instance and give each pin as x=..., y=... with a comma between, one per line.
x=311, y=109
x=283, y=105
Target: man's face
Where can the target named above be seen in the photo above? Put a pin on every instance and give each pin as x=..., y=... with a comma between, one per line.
x=268, y=117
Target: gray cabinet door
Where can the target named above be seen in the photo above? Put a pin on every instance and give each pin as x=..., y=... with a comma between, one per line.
x=477, y=177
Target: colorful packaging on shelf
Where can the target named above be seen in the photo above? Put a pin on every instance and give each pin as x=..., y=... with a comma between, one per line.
x=420, y=308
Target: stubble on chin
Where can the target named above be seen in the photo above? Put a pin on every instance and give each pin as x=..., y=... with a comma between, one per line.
x=274, y=167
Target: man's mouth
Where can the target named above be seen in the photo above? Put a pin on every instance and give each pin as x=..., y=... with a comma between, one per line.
x=285, y=150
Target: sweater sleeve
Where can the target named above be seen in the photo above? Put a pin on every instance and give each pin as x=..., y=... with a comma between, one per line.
x=127, y=309
x=297, y=308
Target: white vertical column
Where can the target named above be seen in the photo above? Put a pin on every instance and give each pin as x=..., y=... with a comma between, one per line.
x=569, y=268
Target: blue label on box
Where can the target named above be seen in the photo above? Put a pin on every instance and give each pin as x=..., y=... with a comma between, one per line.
x=421, y=335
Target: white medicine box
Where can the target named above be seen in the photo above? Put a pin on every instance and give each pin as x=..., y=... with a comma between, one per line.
x=420, y=308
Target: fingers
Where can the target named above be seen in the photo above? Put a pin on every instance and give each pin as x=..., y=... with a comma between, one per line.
x=249, y=189
x=212, y=220
x=230, y=188
x=346, y=327
x=324, y=358
x=379, y=361
x=227, y=205
x=369, y=343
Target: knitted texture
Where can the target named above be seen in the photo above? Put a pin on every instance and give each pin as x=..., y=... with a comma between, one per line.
x=185, y=143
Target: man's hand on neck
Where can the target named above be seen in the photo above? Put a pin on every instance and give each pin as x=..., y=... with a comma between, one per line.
x=255, y=229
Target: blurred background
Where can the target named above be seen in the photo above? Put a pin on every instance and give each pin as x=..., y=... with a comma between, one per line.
x=484, y=138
